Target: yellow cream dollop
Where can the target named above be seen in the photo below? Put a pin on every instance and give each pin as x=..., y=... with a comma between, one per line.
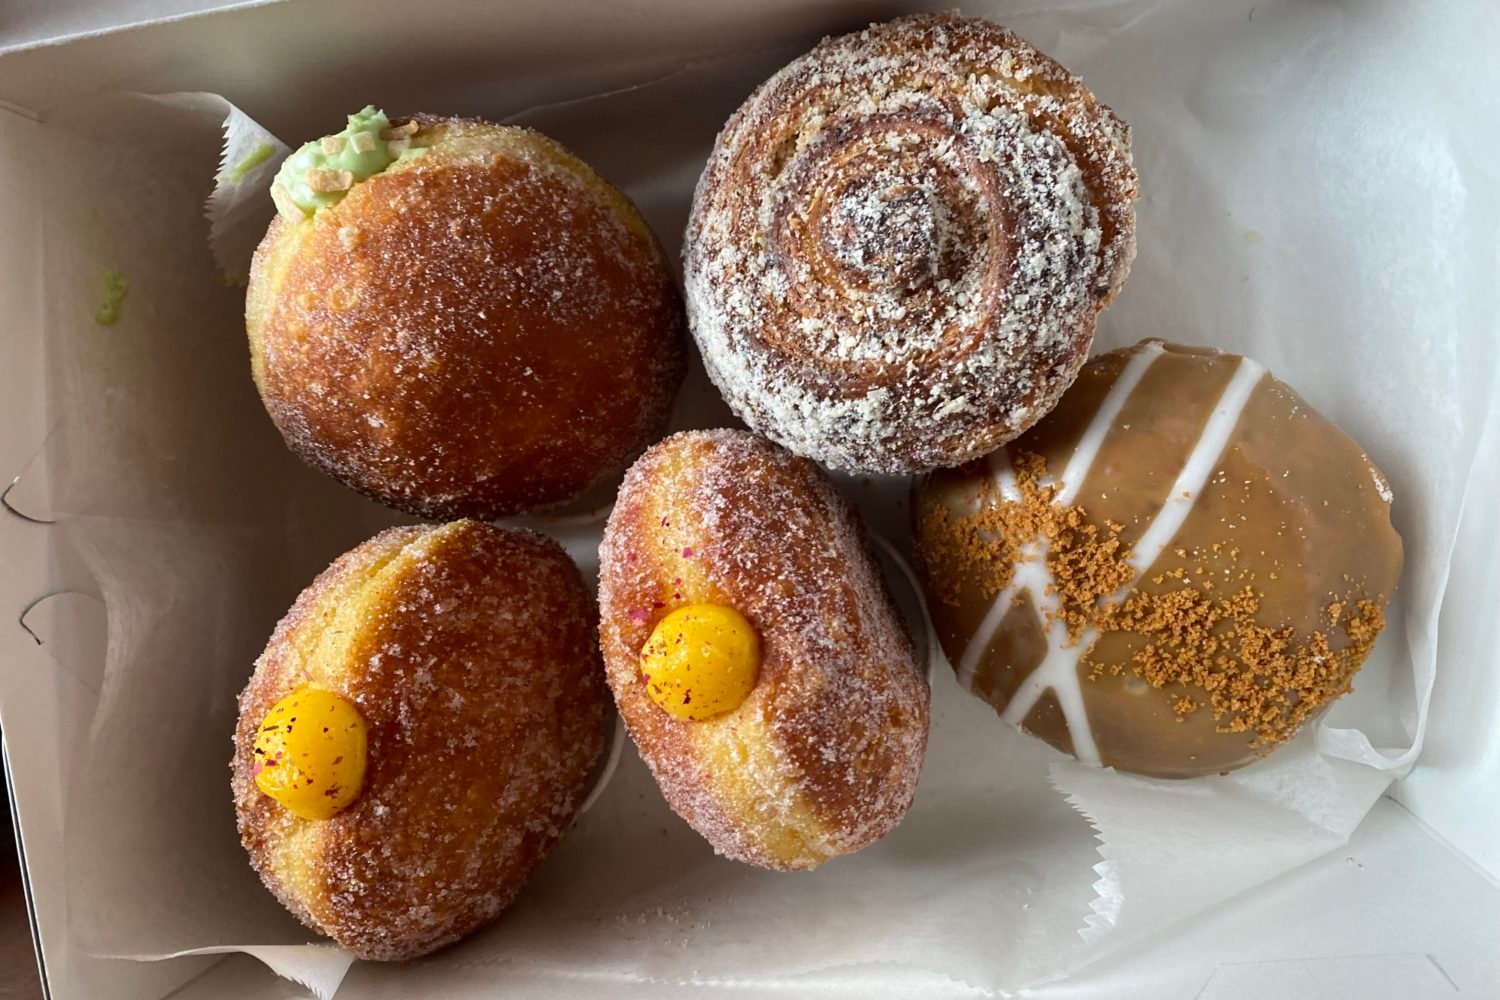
x=310, y=753
x=701, y=661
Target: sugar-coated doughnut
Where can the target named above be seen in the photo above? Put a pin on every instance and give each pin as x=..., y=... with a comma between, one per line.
x=479, y=327
x=899, y=245
x=419, y=733
x=733, y=571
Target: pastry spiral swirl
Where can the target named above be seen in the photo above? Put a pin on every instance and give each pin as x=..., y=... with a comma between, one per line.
x=901, y=240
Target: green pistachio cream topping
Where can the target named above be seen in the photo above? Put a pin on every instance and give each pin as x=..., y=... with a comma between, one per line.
x=320, y=173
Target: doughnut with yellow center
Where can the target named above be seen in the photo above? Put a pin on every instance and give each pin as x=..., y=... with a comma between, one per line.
x=754, y=652
x=419, y=733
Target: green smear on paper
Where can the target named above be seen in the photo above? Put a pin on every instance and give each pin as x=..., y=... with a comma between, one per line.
x=260, y=154
x=112, y=298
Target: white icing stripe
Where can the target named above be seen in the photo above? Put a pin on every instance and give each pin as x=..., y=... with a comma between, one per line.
x=979, y=642
x=1005, y=475
x=1110, y=406
x=1058, y=670
x=1195, y=472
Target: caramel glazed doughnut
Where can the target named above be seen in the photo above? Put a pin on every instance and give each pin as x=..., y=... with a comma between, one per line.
x=1171, y=573
x=483, y=326
x=899, y=245
x=816, y=755
x=461, y=665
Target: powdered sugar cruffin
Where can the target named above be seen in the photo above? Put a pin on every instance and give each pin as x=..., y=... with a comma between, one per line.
x=901, y=240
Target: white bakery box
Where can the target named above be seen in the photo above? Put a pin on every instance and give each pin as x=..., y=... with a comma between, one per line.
x=1319, y=188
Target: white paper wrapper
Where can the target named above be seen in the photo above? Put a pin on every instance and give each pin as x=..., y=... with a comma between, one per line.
x=236, y=208
x=1311, y=195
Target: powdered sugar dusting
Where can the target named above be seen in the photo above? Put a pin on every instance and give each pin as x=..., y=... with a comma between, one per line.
x=470, y=653
x=901, y=240
x=827, y=749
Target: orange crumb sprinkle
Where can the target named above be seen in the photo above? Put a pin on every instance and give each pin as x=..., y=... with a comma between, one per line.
x=1253, y=677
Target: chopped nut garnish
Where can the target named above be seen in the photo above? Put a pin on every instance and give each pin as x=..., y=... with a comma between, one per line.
x=398, y=146
x=399, y=131
x=1087, y=563
x=324, y=181
x=332, y=144
x=364, y=142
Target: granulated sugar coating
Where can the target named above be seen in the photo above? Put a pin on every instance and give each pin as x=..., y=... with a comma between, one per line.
x=470, y=653
x=485, y=327
x=901, y=241
x=823, y=756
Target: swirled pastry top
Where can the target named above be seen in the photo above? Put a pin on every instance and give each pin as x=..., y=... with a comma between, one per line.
x=901, y=240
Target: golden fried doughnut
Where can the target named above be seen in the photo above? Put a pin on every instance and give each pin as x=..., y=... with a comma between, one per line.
x=1171, y=573
x=483, y=327
x=468, y=653
x=821, y=756
x=900, y=242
